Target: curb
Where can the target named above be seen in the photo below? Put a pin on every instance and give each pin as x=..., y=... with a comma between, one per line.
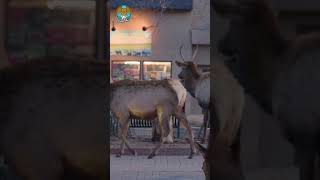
x=162, y=151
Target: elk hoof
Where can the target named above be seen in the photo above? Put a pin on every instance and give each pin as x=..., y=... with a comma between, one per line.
x=135, y=153
x=191, y=155
x=151, y=155
x=118, y=155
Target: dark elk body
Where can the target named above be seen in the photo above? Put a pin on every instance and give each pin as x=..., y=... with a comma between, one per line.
x=53, y=119
x=222, y=158
x=156, y=99
x=197, y=84
x=283, y=75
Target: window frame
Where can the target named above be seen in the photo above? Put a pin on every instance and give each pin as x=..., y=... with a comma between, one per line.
x=111, y=69
x=141, y=72
x=143, y=61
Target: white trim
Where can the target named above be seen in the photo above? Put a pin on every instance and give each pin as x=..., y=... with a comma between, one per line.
x=200, y=37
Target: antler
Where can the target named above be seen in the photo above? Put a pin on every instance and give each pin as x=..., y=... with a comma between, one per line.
x=193, y=56
x=180, y=51
x=195, y=53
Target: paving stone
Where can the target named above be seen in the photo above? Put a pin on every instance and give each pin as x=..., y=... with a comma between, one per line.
x=159, y=168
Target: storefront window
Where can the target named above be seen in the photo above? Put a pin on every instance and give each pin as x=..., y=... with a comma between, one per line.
x=156, y=70
x=125, y=70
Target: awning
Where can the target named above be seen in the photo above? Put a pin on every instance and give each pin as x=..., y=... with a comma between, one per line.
x=185, y=5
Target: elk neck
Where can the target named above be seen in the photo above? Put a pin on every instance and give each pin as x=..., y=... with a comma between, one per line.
x=260, y=60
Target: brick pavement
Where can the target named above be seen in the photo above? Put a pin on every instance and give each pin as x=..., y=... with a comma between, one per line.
x=144, y=146
x=181, y=168
x=158, y=168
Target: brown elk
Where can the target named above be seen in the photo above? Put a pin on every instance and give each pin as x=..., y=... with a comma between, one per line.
x=222, y=158
x=283, y=75
x=53, y=119
x=197, y=84
x=155, y=99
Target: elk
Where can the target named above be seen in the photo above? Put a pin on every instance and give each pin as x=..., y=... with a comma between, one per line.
x=156, y=131
x=154, y=99
x=198, y=85
x=53, y=119
x=281, y=74
x=222, y=158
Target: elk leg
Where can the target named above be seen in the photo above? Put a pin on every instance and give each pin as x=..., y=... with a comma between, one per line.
x=160, y=115
x=125, y=127
x=182, y=118
x=306, y=162
x=159, y=144
x=155, y=150
x=236, y=149
x=163, y=122
x=199, y=133
x=155, y=131
x=205, y=125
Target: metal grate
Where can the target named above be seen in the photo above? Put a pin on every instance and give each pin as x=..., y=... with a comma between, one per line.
x=140, y=123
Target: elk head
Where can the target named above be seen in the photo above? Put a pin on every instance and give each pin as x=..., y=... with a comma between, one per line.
x=254, y=38
x=252, y=23
x=190, y=72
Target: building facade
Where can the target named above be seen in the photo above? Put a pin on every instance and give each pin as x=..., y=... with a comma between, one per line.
x=181, y=24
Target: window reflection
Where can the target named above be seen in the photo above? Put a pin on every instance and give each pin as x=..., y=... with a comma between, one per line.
x=125, y=70
x=156, y=70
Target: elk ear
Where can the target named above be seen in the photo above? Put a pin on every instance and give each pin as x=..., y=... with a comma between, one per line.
x=181, y=64
x=201, y=149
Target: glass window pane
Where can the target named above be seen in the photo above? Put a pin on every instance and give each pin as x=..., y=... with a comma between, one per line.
x=125, y=70
x=156, y=70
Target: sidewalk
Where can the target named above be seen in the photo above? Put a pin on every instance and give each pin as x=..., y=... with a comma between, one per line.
x=181, y=168
x=171, y=163
x=144, y=146
x=158, y=168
